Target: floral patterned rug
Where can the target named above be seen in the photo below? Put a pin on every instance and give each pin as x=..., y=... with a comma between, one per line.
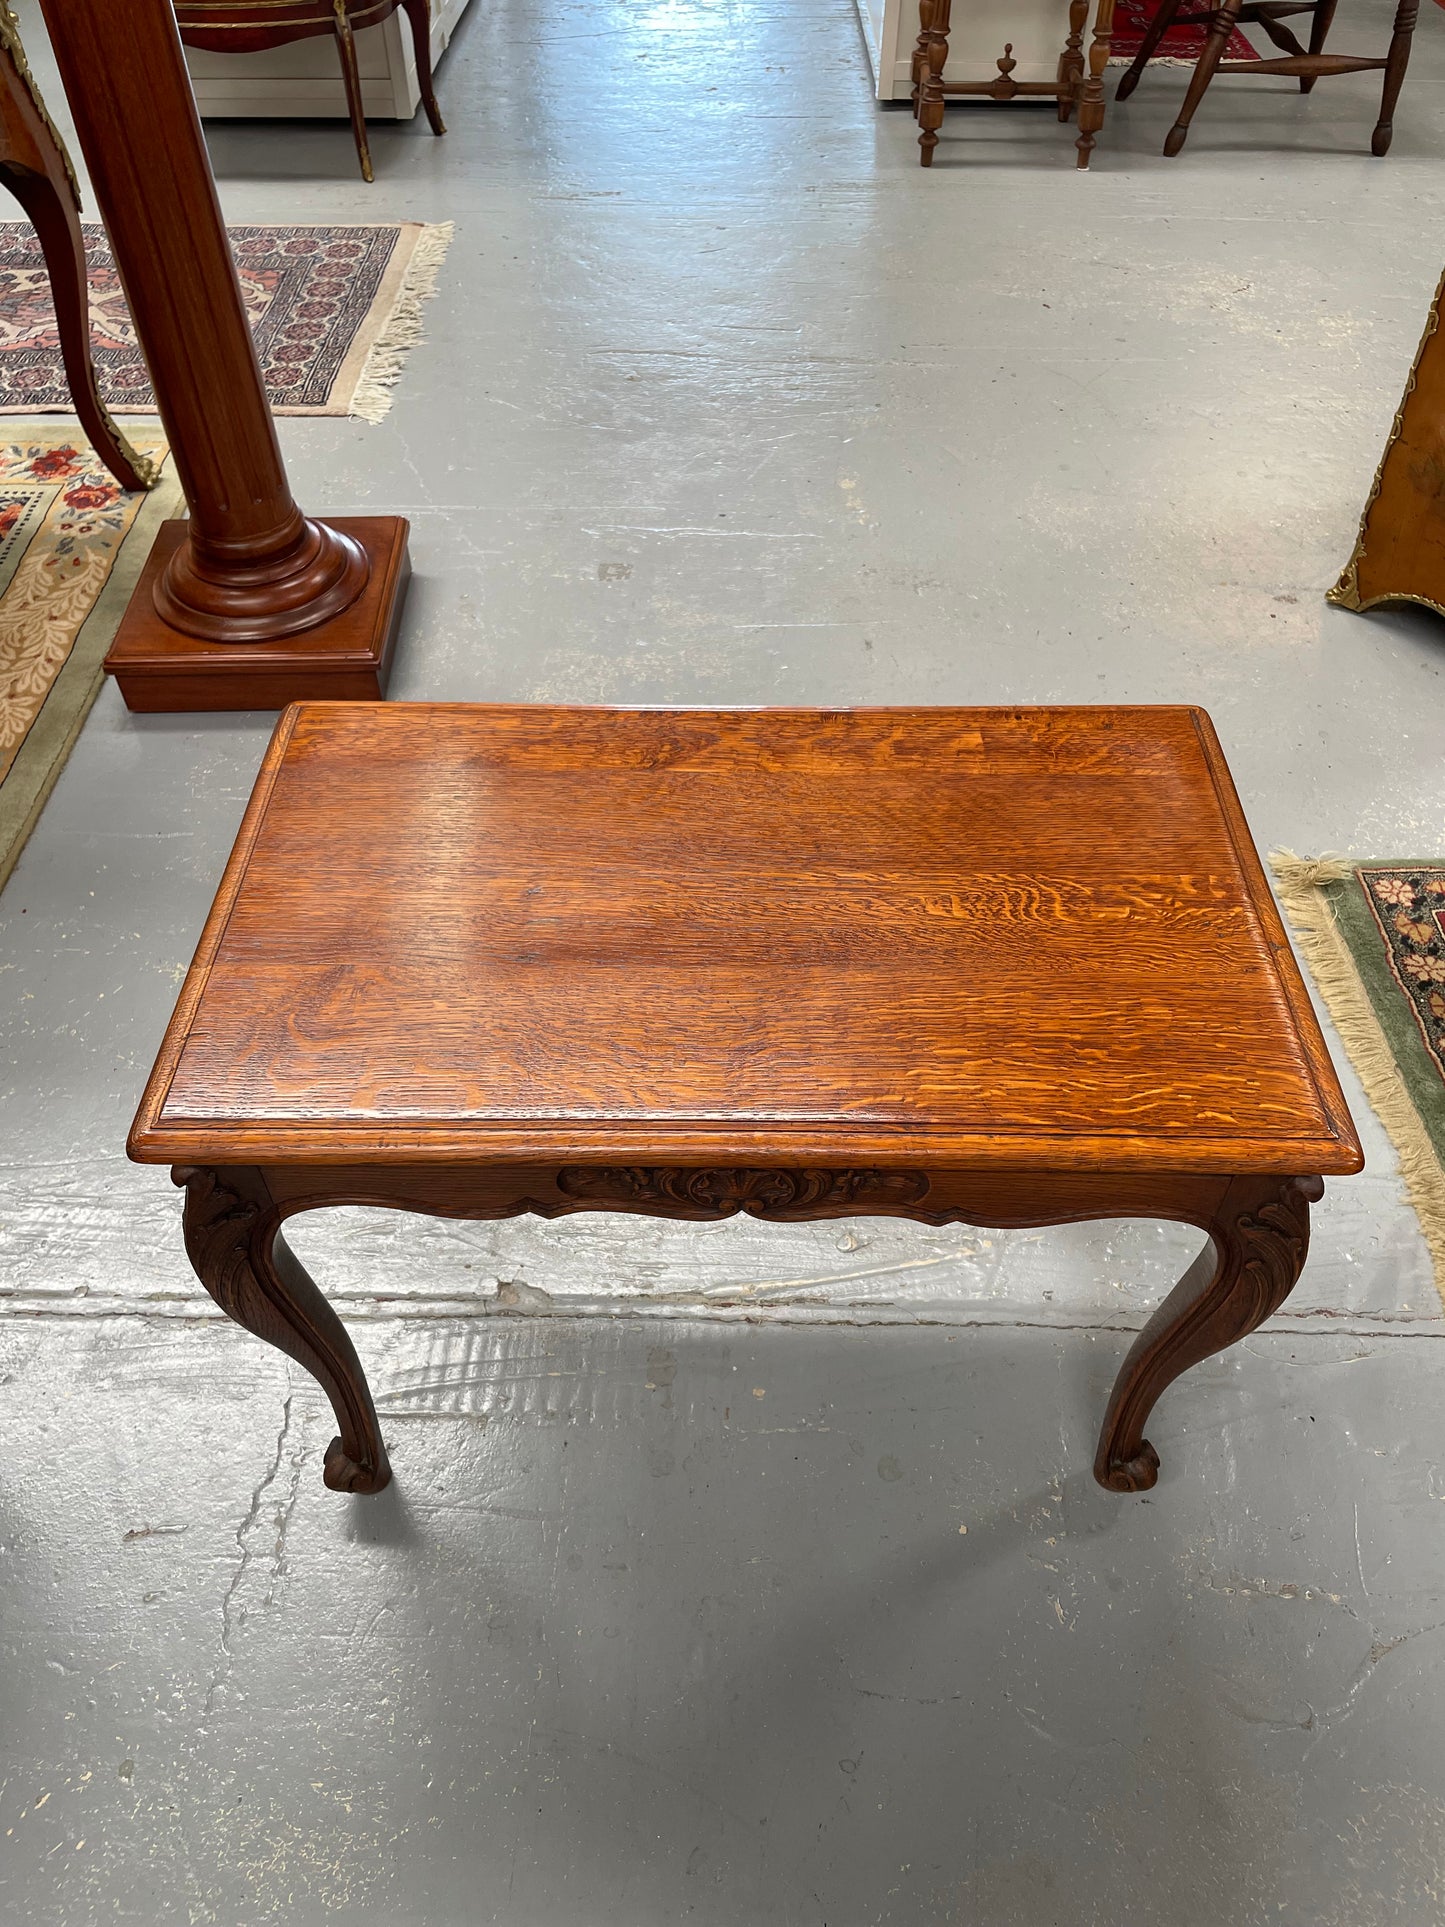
x=333, y=310
x=1374, y=936
x=72, y=544
x=1180, y=47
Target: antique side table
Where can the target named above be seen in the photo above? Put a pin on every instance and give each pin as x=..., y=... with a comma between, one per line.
x=1077, y=83
x=1005, y=966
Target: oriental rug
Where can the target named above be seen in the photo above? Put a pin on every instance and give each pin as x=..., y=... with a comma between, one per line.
x=1373, y=934
x=333, y=310
x=72, y=544
x=1180, y=47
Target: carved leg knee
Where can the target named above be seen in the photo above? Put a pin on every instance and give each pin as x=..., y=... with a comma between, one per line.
x=232, y=1236
x=1259, y=1240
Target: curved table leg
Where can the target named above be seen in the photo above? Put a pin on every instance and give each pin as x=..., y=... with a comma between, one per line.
x=418, y=13
x=232, y=1227
x=56, y=224
x=1259, y=1239
x=351, y=80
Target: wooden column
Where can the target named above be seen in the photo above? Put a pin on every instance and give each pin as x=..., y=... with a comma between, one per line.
x=250, y=604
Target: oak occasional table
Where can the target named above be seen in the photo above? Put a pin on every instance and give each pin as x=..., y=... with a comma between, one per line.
x=1003, y=966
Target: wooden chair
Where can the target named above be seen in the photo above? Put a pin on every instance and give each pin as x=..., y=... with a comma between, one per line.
x=250, y=26
x=1307, y=63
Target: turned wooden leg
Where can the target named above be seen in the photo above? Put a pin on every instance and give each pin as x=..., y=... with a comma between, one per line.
x=920, y=48
x=351, y=80
x=1396, y=61
x=1259, y=1239
x=1162, y=21
x=1091, y=96
x=418, y=13
x=1071, y=60
x=1221, y=26
x=232, y=1231
x=58, y=226
x=1320, y=22
x=933, y=47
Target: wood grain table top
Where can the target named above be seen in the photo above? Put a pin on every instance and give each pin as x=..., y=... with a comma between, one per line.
x=1027, y=939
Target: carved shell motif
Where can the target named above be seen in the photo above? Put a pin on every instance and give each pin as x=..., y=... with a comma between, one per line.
x=1274, y=1243
x=218, y=1225
x=721, y=1194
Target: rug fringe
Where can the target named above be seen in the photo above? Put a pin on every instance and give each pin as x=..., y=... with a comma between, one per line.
x=1299, y=882
x=403, y=328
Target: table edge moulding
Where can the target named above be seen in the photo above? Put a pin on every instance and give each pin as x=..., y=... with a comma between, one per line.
x=1250, y=1193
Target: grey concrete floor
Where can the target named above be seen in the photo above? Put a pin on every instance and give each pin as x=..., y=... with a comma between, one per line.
x=739, y=1573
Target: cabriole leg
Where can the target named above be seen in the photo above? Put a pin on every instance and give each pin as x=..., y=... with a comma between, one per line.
x=232, y=1231
x=418, y=13
x=1259, y=1240
x=351, y=80
x=58, y=226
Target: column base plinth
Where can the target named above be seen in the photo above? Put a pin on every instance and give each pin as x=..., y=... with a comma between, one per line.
x=348, y=658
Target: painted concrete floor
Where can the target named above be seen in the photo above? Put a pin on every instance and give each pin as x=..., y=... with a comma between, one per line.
x=748, y=1574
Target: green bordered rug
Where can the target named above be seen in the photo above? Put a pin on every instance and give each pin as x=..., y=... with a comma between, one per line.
x=72, y=544
x=1374, y=937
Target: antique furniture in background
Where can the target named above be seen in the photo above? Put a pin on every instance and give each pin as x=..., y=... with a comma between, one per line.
x=302, y=79
x=1073, y=84
x=1309, y=64
x=250, y=26
x=1036, y=30
x=36, y=168
x=1399, y=553
x=998, y=966
x=250, y=604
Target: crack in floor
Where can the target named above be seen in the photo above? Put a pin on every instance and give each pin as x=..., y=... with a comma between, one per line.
x=247, y=1550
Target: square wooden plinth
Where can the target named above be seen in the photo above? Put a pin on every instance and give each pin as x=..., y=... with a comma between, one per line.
x=347, y=659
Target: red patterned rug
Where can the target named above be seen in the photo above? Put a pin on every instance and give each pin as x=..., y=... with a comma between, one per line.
x=333, y=310
x=1181, y=45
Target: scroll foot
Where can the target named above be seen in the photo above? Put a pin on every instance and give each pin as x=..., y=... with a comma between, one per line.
x=1139, y=1474
x=343, y=1474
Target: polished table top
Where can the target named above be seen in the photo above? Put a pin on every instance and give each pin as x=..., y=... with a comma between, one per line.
x=1010, y=938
